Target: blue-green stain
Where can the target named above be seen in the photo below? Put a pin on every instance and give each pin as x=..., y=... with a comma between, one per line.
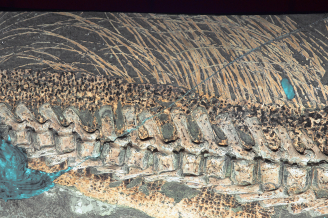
x=16, y=180
x=288, y=88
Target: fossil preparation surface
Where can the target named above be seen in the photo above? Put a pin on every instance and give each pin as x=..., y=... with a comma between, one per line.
x=233, y=158
x=166, y=115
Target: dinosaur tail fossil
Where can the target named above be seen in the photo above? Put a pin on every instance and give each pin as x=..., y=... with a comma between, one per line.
x=272, y=154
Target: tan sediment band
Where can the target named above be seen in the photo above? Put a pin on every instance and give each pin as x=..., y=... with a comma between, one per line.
x=238, y=148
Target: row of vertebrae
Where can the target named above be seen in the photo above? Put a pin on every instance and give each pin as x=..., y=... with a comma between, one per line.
x=239, y=135
x=231, y=154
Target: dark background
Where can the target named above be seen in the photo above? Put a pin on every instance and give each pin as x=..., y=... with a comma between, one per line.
x=173, y=6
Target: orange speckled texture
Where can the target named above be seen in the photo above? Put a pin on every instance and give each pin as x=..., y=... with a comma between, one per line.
x=205, y=204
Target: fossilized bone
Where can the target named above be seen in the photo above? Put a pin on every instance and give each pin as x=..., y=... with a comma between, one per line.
x=272, y=154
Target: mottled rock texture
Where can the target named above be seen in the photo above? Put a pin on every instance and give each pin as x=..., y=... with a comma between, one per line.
x=65, y=202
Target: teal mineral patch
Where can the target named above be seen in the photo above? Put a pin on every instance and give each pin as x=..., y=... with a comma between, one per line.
x=288, y=88
x=16, y=180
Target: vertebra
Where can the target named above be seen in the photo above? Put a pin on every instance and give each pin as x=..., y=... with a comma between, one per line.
x=254, y=151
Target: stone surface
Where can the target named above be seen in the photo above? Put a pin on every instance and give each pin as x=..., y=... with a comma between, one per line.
x=124, y=45
x=65, y=202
